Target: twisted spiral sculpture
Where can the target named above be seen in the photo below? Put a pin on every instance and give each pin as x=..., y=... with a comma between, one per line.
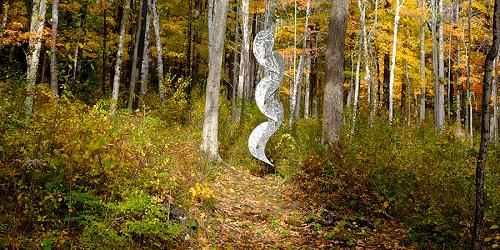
x=266, y=93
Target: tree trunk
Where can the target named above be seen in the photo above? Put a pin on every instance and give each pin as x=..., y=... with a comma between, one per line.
x=119, y=56
x=159, y=50
x=449, y=93
x=468, y=116
x=5, y=18
x=235, y=64
x=217, y=16
x=293, y=83
x=350, y=92
x=104, y=48
x=189, y=37
x=387, y=73
x=435, y=64
x=300, y=73
x=494, y=95
x=393, y=60
x=408, y=92
x=307, y=94
x=35, y=45
x=362, y=8
x=244, y=60
x=485, y=131
x=423, y=78
x=332, y=102
x=53, y=51
x=138, y=45
x=145, y=54
x=371, y=79
x=441, y=79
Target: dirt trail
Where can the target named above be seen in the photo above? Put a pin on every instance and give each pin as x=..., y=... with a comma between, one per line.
x=256, y=213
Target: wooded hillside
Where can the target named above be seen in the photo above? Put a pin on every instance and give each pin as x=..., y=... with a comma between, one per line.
x=126, y=124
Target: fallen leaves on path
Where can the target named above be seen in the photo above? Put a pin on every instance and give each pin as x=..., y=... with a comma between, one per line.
x=257, y=213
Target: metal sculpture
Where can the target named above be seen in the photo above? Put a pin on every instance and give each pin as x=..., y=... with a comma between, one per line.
x=266, y=93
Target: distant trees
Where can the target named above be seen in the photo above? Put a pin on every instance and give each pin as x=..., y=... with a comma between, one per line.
x=334, y=79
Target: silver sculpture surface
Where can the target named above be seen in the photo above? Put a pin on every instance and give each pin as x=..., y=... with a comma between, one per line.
x=266, y=93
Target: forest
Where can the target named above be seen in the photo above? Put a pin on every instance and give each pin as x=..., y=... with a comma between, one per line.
x=249, y=124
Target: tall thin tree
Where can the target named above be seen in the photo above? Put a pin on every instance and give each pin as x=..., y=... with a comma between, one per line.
x=119, y=56
x=393, y=59
x=159, y=49
x=35, y=45
x=485, y=130
x=217, y=16
x=244, y=60
x=333, y=105
x=53, y=50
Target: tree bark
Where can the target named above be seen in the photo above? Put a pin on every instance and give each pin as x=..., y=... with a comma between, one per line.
x=244, y=60
x=5, y=18
x=293, y=83
x=494, y=95
x=423, y=78
x=217, y=16
x=361, y=6
x=387, y=73
x=393, y=60
x=485, y=131
x=332, y=102
x=468, y=116
x=159, y=50
x=441, y=79
x=104, y=48
x=300, y=73
x=435, y=64
x=35, y=45
x=145, y=54
x=307, y=94
x=119, y=57
x=371, y=78
x=139, y=43
x=54, y=86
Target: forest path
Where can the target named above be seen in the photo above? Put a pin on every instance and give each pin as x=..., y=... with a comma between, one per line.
x=254, y=212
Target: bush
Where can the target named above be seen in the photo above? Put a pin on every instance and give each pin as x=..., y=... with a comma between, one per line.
x=71, y=174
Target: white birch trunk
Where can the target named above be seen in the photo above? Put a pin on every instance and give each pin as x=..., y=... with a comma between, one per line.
x=423, y=78
x=35, y=45
x=244, y=60
x=145, y=56
x=300, y=72
x=371, y=70
x=217, y=16
x=53, y=51
x=119, y=57
x=293, y=83
x=494, y=95
x=361, y=6
x=393, y=60
x=159, y=50
x=441, y=115
x=5, y=18
x=366, y=56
